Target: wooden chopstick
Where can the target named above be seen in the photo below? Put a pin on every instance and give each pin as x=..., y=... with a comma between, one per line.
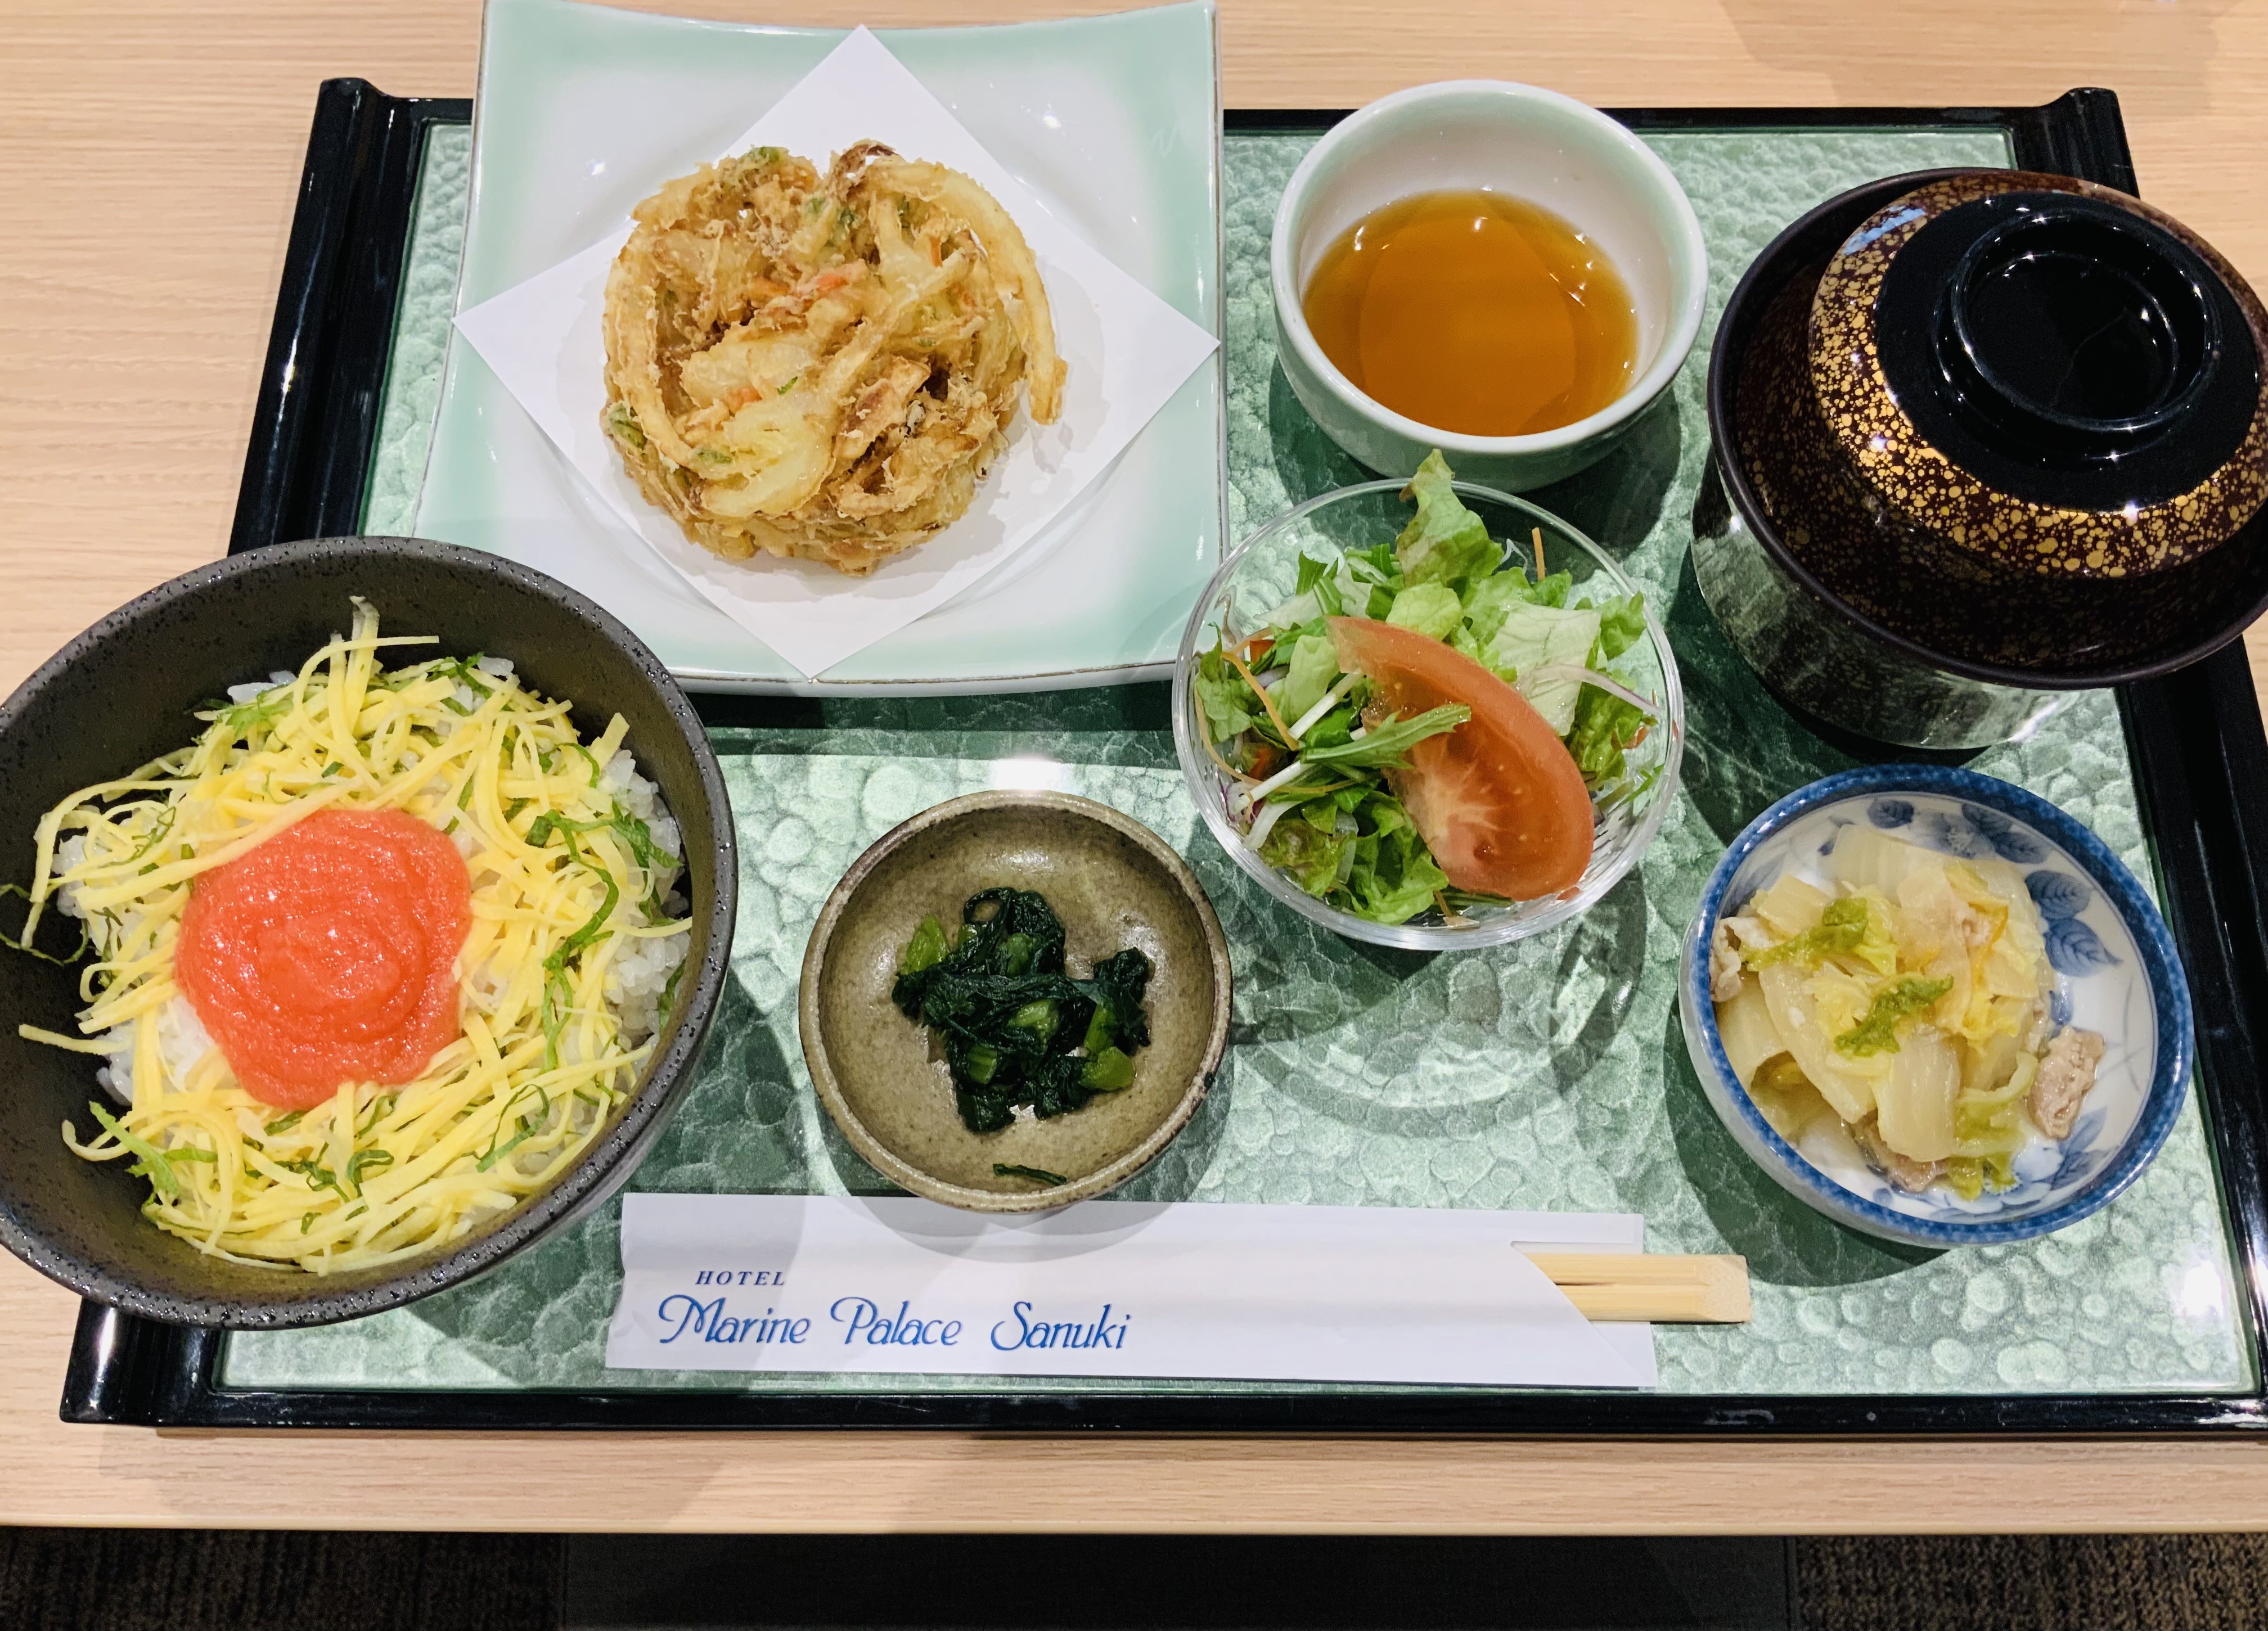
x=1663, y=1289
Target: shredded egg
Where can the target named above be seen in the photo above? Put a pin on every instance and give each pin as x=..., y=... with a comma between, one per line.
x=571, y=889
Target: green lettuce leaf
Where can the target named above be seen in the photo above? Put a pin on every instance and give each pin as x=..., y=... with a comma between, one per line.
x=1301, y=608
x=1325, y=586
x=1318, y=593
x=1314, y=667
x=1378, y=564
x=1487, y=603
x=1368, y=580
x=1310, y=858
x=1335, y=729
x=1392, y=876
x=1622, y=623
x=1490, y=601
x=1533, y=635
x=1445, y=542
x=1604, y=727
x=1375, y=867
x=1223, y=697
x=1431, y=609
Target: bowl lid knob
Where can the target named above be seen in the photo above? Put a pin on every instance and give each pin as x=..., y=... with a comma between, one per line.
x=2073, y=331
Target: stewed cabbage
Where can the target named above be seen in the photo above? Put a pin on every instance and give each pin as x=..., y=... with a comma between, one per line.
x=1904, y=994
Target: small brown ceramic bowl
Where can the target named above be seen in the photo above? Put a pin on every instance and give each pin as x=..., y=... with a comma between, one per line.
x=1114, y=884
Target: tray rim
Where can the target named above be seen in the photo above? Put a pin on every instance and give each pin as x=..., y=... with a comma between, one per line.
x=2194, y=739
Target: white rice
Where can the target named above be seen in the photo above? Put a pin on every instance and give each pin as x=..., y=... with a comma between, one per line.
x=641, y=968
x=259, y=687
x=183, y=1040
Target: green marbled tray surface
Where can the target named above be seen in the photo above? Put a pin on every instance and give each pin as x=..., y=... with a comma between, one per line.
x=1549, y=1074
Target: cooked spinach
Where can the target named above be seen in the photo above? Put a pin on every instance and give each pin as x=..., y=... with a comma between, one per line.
x=1035, y=1174
x=1016, y=1029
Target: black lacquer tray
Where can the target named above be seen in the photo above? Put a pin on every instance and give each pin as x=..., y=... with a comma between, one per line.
x=2194, y=741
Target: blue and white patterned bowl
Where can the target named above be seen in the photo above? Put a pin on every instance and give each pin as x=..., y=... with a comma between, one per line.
x=2115, y=972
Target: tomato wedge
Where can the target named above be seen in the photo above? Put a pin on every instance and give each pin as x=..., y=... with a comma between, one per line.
x=1498, y=800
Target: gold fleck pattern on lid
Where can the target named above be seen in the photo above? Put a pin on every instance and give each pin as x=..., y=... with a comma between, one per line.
x=1925, y=490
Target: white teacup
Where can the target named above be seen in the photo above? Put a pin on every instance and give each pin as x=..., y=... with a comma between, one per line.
x=1531, y=143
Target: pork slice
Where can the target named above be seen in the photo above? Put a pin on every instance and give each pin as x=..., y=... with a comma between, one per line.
x=2066, y=1072
x=1905, y=1174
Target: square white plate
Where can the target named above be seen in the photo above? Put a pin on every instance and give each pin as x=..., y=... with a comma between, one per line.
x=1113, y=123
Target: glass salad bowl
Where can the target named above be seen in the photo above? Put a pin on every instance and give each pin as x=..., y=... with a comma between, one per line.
x=1628, y=733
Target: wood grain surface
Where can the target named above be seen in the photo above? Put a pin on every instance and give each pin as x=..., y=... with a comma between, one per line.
x=149, y=150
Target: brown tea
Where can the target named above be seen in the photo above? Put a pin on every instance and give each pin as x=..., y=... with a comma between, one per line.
x=1474, y=311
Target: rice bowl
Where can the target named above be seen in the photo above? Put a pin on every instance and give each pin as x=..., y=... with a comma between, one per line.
x=549, y=987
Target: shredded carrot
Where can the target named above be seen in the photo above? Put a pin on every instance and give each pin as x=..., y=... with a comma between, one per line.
x=1282, y=728
x=1205, y=736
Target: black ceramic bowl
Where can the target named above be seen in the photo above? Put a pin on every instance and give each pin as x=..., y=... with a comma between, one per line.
x=1898, y=538
x=120, y=695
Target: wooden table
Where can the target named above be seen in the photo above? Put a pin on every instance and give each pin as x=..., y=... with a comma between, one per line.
x=149, y=154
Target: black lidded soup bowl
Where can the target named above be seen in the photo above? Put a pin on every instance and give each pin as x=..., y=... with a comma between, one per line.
x=1983, y=438
x=121, y=694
